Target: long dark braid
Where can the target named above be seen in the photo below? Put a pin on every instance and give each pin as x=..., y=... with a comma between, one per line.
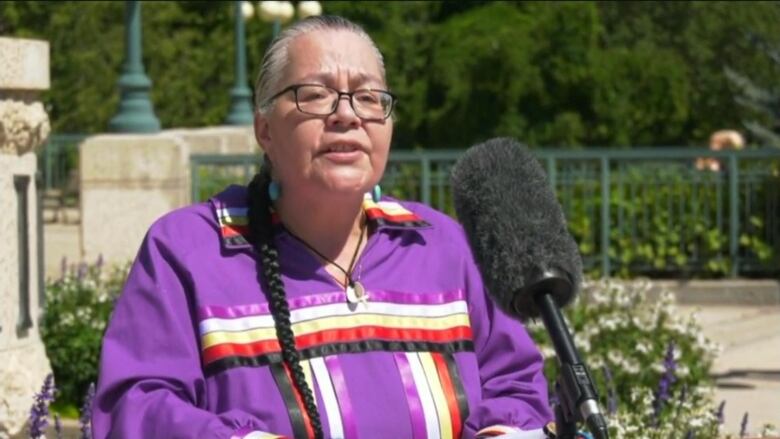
x=268, y=263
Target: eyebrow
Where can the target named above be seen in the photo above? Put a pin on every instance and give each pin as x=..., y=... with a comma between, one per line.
x=359, y=78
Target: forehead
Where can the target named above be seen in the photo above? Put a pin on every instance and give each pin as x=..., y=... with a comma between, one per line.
x=331, y=55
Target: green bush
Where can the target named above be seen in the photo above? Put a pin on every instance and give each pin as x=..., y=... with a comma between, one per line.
x=669, y=219
x=650, y=364
x=631, y=345
x=78, y=306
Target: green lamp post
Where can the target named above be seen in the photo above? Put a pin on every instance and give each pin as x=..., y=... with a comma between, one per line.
x=135, y=114
x=275, y=12
x=240, y=112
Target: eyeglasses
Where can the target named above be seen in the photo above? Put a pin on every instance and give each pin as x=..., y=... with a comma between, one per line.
x=320, y=100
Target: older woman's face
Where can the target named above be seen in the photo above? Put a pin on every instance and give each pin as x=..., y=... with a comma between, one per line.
x=340, y=153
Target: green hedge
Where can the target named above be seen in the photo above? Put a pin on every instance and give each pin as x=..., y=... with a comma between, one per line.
x=78, y=305
x=631, y=345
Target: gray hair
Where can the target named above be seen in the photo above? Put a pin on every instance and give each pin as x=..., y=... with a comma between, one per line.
x=277, y=55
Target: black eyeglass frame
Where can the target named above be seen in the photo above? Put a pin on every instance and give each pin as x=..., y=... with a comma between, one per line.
x=294, y=88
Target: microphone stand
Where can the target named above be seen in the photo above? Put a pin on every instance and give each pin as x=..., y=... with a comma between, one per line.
x=577, y=399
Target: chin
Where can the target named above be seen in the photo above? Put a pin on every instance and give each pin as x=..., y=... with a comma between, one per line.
x=348, y=182
x=348, y=187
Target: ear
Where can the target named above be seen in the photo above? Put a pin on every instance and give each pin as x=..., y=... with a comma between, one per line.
x=262, y=131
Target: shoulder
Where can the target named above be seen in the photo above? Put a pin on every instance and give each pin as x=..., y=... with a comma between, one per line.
x=183, y=228
x=434, y=217
x=191, y=227
x=443, y=228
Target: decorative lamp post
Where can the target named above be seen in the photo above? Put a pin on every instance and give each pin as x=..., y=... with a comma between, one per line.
x=135, y=114
x=278, y=12
x=240, y=112
x=308, y=9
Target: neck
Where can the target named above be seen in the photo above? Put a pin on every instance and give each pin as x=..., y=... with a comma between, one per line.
x=332, y=225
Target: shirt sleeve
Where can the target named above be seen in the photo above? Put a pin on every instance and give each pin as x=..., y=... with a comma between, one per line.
x=514, y=389
x=150, y=382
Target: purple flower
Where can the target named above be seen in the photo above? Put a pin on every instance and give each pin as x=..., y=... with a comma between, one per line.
x=82, y=271
x=39, y=413
x=554, y=399
x=99, y=262
x=683, y=393
x=665, y=384
x=63, y=268
x=612, y=399
x=743, y=425
x=607, y=374
x=690, y=435
x=57, y=426
x=719, y=413
x=86, y=413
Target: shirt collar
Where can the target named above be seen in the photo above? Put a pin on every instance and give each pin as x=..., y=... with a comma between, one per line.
x=230, y=208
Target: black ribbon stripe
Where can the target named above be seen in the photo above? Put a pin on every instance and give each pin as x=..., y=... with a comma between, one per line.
x=295, y=411
x=345, y=348
x=460, y=394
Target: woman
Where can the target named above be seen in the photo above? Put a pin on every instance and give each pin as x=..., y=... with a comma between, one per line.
x=305, y=305
x=720, y=140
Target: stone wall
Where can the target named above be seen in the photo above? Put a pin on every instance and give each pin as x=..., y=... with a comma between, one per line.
x=129, y=180
x=24, y=126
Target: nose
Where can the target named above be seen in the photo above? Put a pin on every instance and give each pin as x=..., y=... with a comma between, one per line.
x=344, y=114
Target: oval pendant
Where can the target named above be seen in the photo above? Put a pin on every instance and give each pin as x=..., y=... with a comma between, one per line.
x=356, y=292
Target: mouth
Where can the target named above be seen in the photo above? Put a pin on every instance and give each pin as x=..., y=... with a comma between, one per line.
x=343, y=152
x=341, y=148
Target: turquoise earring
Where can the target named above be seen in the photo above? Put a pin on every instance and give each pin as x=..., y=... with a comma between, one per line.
x=274, y=190
x=376, y=194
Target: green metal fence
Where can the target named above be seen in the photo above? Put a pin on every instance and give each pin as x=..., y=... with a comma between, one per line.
x=210, y=173
x=58, y=161
x=662, y=216
x=639, y=211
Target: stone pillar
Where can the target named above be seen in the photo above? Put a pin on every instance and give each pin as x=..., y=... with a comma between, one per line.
x=127, y=181
x=24, y=126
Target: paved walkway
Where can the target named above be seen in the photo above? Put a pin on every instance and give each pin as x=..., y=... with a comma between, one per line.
x=60, y=241
x=748, y=369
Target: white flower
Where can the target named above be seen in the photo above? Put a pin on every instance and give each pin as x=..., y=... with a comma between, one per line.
x=547, y=351
x=582, y=343
x=696, y=422
x=631, y=367
x=596, y=363
x=615, y=357
x=610, y=323
x=769, y=430
x=677, y=326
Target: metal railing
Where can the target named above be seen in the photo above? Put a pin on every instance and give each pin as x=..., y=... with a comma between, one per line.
x=210, y=173
x=662, y=215
x=58, y=162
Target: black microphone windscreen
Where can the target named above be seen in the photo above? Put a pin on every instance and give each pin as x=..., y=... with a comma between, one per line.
x=514, y=223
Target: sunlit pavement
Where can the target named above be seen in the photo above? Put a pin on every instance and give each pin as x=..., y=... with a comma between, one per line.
x=747, y=371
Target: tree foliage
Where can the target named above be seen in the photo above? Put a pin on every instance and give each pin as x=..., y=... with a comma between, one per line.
x=551, y=74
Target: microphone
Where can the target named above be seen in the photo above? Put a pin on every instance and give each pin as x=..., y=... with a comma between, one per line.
x=530, y=263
